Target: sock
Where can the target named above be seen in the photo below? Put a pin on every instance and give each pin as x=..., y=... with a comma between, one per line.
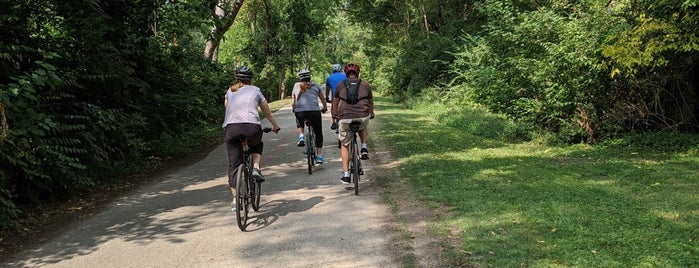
x=363, y=145
x=301, y=136
x=347, y=174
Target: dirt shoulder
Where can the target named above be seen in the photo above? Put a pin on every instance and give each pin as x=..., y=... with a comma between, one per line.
x=414, y=244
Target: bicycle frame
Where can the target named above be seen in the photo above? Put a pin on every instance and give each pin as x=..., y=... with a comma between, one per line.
x=355, y=163
x=310, y=146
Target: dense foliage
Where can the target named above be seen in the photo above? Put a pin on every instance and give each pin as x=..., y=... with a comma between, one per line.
x=90, y=89
x=582, y=69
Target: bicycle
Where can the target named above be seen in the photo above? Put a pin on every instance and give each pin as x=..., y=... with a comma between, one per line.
x=310, y=146
x=246, y=196
x=355, y=161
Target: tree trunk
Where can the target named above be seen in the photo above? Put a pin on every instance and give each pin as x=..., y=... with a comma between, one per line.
x=282, y=84
x=224, y=13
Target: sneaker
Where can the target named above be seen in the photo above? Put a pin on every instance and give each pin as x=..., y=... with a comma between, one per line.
x=257, y=175
x=300, y=143
x=334, y=126
x=319, y=159
x=365, y=154
x=345, y=180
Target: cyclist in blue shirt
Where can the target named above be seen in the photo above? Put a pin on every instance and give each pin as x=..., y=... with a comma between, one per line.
x=331, y=84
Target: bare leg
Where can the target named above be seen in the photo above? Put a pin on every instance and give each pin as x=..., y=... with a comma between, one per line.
x=256, y=160
x=362, y=135
x=344, y=151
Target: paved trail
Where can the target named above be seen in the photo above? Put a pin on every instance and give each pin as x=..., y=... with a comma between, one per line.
x=185, y=220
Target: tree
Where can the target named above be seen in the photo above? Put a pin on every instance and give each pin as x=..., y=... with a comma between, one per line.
x=224, y=13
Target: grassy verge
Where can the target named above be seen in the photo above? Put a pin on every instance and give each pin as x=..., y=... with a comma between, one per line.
x=628, y=202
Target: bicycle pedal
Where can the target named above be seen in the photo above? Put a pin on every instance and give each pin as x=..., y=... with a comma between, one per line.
x=361, y=171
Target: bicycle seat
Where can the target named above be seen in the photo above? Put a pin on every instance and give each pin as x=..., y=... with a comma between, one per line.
x=354, y=125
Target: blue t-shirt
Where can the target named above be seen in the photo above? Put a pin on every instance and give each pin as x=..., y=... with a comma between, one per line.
x=242, y=105
x=335, y=79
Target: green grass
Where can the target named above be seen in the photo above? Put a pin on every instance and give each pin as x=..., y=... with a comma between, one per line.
x=628, y=202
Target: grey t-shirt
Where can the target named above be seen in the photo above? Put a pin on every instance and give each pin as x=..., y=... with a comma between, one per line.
x=308, y=100
x=242, y=105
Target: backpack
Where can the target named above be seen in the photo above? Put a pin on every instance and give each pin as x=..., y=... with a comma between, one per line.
x=352, y=90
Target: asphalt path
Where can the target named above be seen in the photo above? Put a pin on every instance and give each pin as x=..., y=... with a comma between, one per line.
x=185, y=220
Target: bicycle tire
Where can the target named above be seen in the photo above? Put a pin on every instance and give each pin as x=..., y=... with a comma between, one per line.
x=256, y=192
x=310, y=151
x=355, y=164
x=241, y=200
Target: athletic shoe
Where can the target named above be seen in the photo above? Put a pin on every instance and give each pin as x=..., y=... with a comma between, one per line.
x=300, y=143
x=334, y=126
x=257, y=175
x=319, y=159
x=345, y=180
x=365, y=154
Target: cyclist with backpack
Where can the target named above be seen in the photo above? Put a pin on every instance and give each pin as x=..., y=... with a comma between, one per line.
x=331, y=85
x=305, y=106
x=352, y=101
x=242, y=120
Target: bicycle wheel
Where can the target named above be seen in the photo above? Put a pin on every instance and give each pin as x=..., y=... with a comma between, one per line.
x=256, y=192
x=310, y=151
x=241, y=199
x=355, y=165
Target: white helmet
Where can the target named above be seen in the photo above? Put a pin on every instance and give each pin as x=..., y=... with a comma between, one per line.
x=337, y=68
x=304, y=73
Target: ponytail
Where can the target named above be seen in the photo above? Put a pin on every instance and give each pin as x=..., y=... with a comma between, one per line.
x=236, y=86
x=304, y=86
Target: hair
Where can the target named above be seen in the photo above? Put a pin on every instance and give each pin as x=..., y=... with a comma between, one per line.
x=237, y=85
x=304, y=86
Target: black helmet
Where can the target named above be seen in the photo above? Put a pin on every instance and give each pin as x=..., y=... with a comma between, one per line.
x=304, y=74
x=243, y=73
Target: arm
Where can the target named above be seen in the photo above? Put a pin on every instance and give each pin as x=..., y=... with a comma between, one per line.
x=225, y=99
x=270, y=117
x=335, y=110
x=324, y=101
x=336, y=103
x=294, y=93
x=371, y=103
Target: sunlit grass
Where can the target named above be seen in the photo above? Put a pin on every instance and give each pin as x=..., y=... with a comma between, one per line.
x=628, y=202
